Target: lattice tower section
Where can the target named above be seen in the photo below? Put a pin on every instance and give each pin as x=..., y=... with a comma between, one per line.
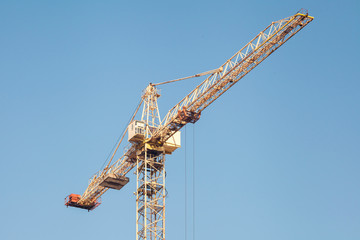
x=150, y=197
x=150, y=194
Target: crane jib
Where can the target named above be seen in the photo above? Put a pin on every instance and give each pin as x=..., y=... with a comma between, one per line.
x=189, y=109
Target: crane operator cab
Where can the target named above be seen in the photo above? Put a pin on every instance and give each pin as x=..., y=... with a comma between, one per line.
x=136, y=133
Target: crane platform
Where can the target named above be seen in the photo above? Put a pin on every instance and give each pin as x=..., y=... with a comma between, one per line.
x=114, y=181
x=73, y=201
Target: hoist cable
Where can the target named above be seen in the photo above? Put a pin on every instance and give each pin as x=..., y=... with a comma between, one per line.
x=184, y=78
x=121, y=137
x=193, y=181
x=185, y=189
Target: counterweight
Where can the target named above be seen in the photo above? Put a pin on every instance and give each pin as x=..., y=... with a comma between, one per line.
x=152, y=138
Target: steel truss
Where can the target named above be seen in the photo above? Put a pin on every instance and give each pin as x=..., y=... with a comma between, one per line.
x=148, y=153
x=251, y=55
x=150, y=195
x=150, y=173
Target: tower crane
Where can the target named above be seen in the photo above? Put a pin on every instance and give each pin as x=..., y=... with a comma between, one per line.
x=151, y=139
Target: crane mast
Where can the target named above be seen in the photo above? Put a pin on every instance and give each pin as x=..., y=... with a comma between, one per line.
x=151, y=138
x=150, y=170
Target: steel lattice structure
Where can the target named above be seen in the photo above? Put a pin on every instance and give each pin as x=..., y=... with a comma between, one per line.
x=150, y=172
x=153, y=138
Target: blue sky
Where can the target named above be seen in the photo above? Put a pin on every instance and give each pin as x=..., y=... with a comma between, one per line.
x=276, y=157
